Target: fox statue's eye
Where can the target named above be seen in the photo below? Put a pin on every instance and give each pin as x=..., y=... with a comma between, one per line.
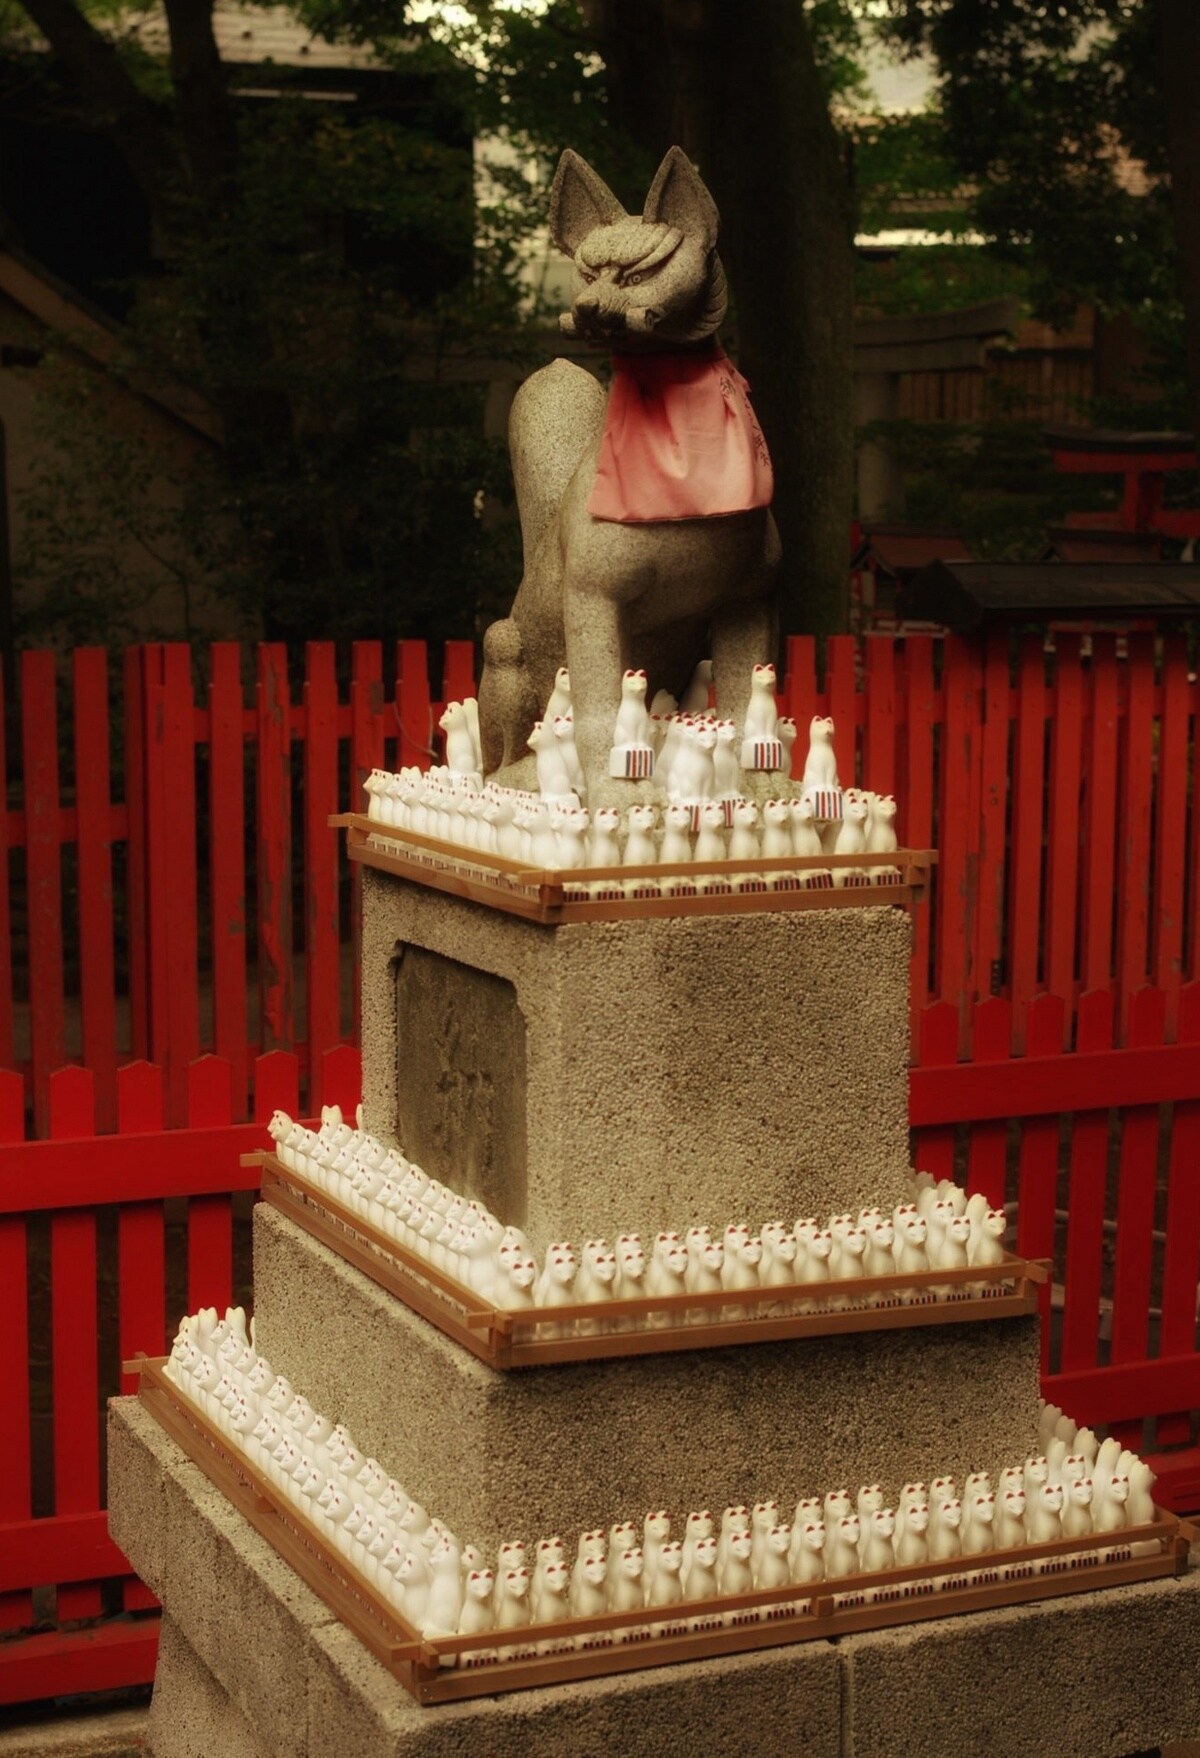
x=633, y=280
x=586, y=276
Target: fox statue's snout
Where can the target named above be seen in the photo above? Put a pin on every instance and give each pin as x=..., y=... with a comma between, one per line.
x=591, y=315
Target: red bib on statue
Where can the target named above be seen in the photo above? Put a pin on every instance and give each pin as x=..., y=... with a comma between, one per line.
x=680, y=441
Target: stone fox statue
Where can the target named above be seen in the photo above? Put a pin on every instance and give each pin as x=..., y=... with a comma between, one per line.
x=647, y=537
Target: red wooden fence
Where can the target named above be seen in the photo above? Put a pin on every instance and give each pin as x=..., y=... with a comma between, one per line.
x=110, y=1238
x=176, y=925
x=189, y=897
x=230, y=930
x=1095, y=1152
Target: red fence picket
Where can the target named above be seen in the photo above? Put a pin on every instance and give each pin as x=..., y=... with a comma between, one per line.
x=16, y=1499
x=97, y=976
x=1181, y=1258
x=1104, y=1362
x=227, y=863
x=7, y=1056
x=990, y=951
x=274, y=824
x=43, y=875
x=1062, y=826
x=134, y=733
x=73, y=1336
x=171, y=862
x=141, y=1231
x=322, y=946
x=1037, y=1172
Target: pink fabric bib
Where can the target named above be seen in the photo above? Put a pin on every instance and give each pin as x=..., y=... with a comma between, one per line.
x=680, y=441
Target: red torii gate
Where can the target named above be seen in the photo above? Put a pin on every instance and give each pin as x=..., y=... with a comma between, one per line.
x=1143, y=461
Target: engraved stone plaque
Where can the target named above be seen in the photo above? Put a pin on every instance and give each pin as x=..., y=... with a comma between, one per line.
x=460, y=1078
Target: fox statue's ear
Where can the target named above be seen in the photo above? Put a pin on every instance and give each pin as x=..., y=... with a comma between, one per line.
x=579, y=202
x=678, y=198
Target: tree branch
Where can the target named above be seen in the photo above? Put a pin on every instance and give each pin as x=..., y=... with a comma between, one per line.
x=110, y=94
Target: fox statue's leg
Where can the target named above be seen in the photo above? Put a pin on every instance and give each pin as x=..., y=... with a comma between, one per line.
x=745, y=633
x=507, y=700
x=556, y=419
x=596, y=632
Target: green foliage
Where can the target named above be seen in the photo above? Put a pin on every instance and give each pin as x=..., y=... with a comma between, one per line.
x=346, y=253
x=936, y=277
x=991, y=480
x=1051, y=115
x=903, y=173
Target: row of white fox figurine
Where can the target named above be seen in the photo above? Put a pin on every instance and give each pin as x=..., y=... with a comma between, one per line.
x=557, y=835
x=444, y=1587
x=691, y=753
x=940, y=1228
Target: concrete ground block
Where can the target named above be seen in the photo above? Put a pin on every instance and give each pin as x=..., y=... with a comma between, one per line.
x=606, y=1077
x=106, y=1733
x=776, y=1704
x=243, y=1680
x=1099, y=1675
x=565, y=1448
x=242, y=1609
x=191, y=1715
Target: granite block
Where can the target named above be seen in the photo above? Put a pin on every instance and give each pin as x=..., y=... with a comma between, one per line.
x=242, y=1609
x=192, y=1716
x=703, y=1709
x=1099, y=1675
x=246, y=1678
x=655, y=1073
x=564, y=1448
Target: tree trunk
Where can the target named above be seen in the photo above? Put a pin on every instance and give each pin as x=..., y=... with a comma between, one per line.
x=745, y=101
x=206, y=118
x=631, y=38
x=1179, y=43
x=257, y=416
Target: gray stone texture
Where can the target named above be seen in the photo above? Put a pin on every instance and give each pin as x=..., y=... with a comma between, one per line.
x=673, y=1071
x=191, y=1715
x=110, y=1733
x=242, y=1609
x=537, y=1450
x=1096, y=1676
x=327, y=1697
x=460, y=1079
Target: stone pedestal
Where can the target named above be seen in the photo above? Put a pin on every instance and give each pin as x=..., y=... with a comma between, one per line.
x=586, y=1080
x=253, y=1665
x=609, y=1077
x=562, y=1449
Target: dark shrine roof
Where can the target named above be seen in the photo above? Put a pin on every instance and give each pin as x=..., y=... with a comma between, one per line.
x=964, y=595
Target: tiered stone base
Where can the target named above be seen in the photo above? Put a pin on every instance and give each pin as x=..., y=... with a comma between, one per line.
x=561, y=1449
x=253, y=1665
